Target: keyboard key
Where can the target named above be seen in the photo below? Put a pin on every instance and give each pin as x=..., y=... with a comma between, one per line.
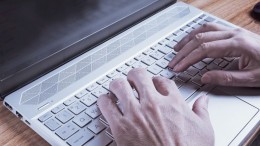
x=165, y=50
x=189, y=30
x=162, y=63
x=131, y=62
x=180, y=37
x=172, y=44
x=52, y=124
x=82, y=120
x=139, y=65
x=210, y=19
x=184, y=77
x=171, y=37
x=99, y=91
x=167, y=74
x=178, y=82
x=88, y=99
x=157, y=55
x=229, y=59
x=203, y=71
x=197, y=20
x=178, y=32
x=213, y=66
x=109, y=132
x=80, y=138
x=122, y=68
x=93, y=111
x=148, y=51
x=81, y=93
x=103, y=119
x=100, y=140
x=125, y=72
x=96, y=126
x=112, y=74
x=155, y=69
x=192, y=71
x=202, y=22
x=106, y=84
x=164, y=42
x=202, y=16
x=169, y=56
x=197, y=80
x=157, y=47
x=92, y=87
x=200, y=65
x=191, y=24
x=207, y=60
x=196, y=26
x=70, y=101
x=45, y=117
x=218, y=61
x=122, y=76
x=184, y=28
x=64, y=116
x=102, y=80
x=148, y=60
x=77, y=107
x=223, y=64
x=140, y=57
x=188, y=89
x=67, y=130
x=58, y=108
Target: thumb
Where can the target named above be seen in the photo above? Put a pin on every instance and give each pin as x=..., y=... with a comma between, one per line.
x=200, y=107
x=229, y=78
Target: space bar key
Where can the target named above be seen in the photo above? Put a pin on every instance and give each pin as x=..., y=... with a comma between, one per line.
x=101, y=139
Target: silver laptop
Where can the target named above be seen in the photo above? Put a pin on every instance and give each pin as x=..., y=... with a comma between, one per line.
x=58, y=57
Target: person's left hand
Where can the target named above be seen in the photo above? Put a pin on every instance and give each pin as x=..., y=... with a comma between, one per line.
x=161, y=117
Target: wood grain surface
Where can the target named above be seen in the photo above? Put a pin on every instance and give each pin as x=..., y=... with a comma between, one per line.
x=14, y=132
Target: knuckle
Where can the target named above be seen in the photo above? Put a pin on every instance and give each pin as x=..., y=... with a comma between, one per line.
x=228, y=79
x=199, y=37
x=204, y=47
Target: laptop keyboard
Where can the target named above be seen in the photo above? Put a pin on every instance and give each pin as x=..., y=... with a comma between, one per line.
x=78, y=121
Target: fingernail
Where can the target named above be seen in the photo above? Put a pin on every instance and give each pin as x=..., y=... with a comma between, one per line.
x=206, y=79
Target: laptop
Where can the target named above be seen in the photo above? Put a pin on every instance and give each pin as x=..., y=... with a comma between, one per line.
x=57, y=57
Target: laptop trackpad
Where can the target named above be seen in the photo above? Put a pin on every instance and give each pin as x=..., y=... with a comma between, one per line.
x=229, y=115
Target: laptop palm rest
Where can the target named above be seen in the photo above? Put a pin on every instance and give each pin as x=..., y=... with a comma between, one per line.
x=229, y=115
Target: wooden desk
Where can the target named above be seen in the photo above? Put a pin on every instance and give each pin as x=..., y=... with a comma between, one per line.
x=14, y=132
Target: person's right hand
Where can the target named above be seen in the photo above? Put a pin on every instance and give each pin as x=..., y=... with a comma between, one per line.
x=217, y=41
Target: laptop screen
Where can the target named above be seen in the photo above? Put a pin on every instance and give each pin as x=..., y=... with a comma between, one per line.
x=33, y=30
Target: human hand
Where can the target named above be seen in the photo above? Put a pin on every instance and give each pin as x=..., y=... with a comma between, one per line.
x=217, y=41
x=161, y=117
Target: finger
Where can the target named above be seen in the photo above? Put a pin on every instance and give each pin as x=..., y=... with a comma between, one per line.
x=123, y=91
x=196, y=41
x=165, y=86
x=204, y=28
x=142, y=82
x=232, y=78
x=200, y=107
x=215, y=49
x=109, y=109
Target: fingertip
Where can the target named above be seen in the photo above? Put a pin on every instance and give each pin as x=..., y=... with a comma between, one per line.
x=206, y=79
